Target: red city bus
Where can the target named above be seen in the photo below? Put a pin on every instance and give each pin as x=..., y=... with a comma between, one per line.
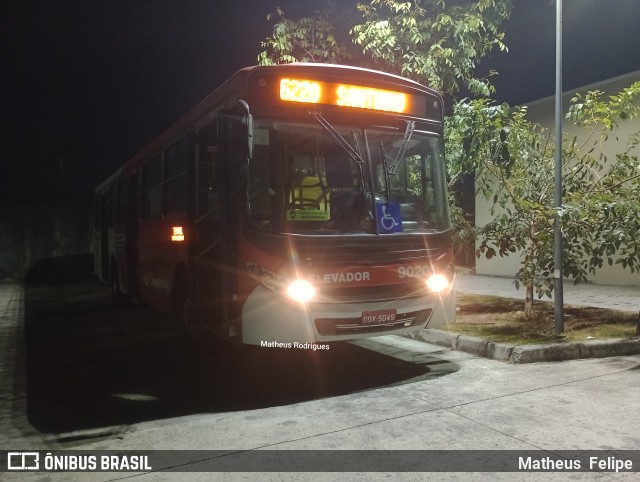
x=296, y=203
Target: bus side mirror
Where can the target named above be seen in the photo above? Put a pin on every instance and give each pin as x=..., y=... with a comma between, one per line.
x=249, y=123
x=250, y=136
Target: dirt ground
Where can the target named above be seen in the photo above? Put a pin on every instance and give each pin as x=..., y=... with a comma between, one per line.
x=502, y=320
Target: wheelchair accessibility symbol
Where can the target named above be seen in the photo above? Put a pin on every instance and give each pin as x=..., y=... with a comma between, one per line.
x=389, y=219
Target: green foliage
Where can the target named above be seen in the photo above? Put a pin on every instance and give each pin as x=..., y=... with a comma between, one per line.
x=435, y=42
x=590, y=111
x=513, y=161
x=309, y=39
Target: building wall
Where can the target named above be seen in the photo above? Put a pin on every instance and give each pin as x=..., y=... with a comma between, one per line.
x=542, y=112
x=33, y=235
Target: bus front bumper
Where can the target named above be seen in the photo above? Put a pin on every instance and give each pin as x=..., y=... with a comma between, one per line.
x=269, y=318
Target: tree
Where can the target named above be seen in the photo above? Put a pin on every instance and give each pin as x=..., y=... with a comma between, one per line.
x=513, y=160
x=309, y=39
x=436, y=42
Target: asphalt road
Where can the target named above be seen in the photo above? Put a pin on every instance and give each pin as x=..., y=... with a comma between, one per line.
x=78, y=373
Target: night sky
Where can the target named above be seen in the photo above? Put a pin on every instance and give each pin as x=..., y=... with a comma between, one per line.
x=86, y=83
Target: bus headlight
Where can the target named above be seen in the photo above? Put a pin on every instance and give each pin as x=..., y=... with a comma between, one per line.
x=301, y=291
x=437, y=282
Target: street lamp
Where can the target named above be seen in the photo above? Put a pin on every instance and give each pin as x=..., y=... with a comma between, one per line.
x=557, y=194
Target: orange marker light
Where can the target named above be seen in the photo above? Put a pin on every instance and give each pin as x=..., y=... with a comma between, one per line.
x=177, y=234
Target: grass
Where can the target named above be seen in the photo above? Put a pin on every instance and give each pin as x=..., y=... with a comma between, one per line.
x=498, y=319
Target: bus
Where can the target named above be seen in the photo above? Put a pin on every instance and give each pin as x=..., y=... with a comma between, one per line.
x=296, y=203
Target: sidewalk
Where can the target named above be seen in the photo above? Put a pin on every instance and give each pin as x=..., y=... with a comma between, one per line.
x=600, y=296
x=10, y=303
x=12, y=366
x=583, y=294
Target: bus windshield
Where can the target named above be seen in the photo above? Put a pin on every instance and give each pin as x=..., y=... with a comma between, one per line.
x=369, y=180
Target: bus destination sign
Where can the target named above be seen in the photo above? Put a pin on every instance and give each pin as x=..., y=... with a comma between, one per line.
x=345, y=95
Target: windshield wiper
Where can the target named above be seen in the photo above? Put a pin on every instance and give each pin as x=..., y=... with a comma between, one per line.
x=354, y=154
x=385, y=168
x=403, y=147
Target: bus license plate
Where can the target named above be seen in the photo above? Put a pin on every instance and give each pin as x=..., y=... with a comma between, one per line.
x=378, y=316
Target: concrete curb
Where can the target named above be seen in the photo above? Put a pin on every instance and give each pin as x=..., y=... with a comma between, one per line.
x=531, y=353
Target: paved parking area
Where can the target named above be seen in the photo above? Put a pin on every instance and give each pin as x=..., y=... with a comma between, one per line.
x=387, y=393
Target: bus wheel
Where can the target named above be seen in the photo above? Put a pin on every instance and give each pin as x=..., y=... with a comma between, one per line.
x=118, y=297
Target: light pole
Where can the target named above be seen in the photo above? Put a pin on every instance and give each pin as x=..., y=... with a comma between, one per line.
x=557, y=191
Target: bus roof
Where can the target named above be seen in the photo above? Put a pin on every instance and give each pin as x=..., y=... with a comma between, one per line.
x=237, y=85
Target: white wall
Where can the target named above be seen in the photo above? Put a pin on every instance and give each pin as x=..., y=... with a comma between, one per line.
x=542, y=112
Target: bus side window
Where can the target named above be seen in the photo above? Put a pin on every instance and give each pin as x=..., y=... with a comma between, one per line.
x=259, y=189
x=208, y=184
x=176, y=177
x=152, y=188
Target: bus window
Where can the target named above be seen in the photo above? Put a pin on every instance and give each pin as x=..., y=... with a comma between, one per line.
x=175, y=172
x=208, y=183
x=260, y=190
x=175, y=162
x=416, y=185
x=152, y=188
x=176, y=195
x=320, y=187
